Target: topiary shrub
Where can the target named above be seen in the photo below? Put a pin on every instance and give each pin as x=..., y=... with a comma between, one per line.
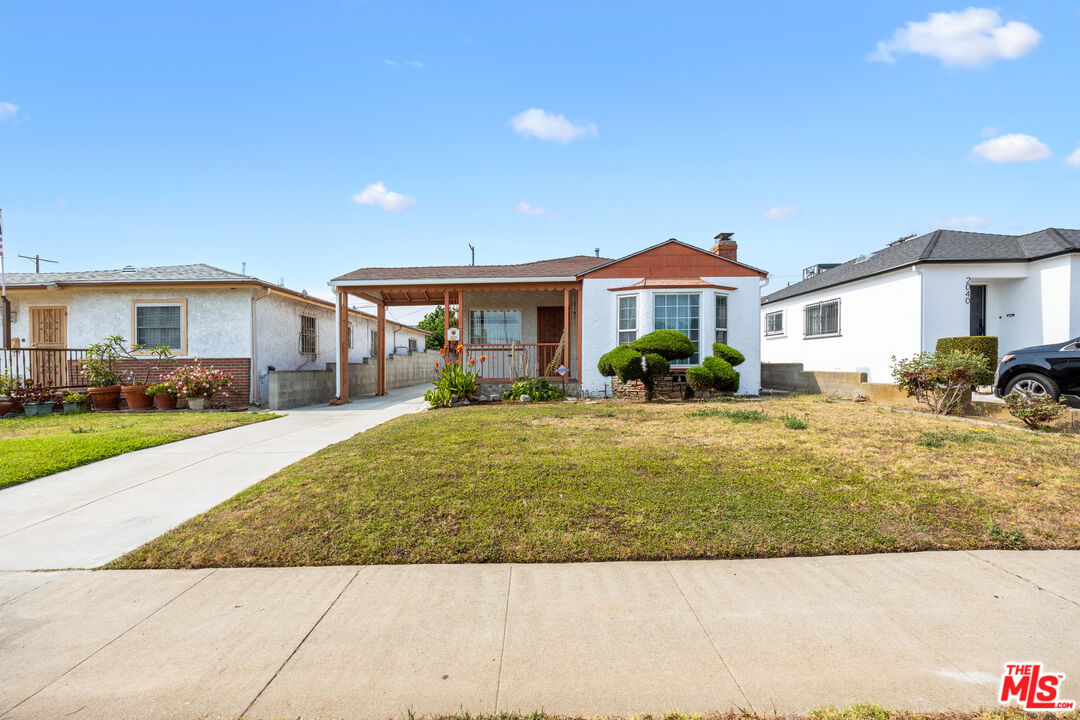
x=733, y=356
x=668, y=344
x=699, y=379
x=985, y=345
x=726, y=379
x=656, y=365
x=622, y=362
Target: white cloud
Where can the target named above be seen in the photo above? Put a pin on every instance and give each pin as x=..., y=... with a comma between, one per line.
x=1014, y=147
x=404, y=63
x=970, y=222
x=967, y=38
x=780, y=212
x=526, y=209
x=377, y=194
x=7, y=110
x=541, y=124
x=1073, y=160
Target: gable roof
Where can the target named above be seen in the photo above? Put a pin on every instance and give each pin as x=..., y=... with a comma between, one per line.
x=199, y=273
x=685, y=263
x=940, y=246
x=566, y=267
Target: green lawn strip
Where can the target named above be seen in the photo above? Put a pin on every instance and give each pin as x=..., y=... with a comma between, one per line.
x=559, y=483
x=854, y=712
x=32, y=447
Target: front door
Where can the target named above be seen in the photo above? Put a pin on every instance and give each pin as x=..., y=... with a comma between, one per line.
x=977, y=310
x=48, y=338
x=549, y=330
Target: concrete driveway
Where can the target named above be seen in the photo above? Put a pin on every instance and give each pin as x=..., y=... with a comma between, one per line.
x=924, y=631
x=87, y=516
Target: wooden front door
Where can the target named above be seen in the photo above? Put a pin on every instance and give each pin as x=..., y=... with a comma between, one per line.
x=48, y=338
x=549, y=329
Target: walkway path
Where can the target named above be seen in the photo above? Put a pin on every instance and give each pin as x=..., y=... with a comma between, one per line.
x=89, y=515
x=926, y=631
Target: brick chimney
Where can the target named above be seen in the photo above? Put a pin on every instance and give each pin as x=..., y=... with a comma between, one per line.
x=725, y=247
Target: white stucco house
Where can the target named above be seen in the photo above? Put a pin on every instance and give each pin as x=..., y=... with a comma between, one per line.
x=236, y=322
x=515, y=316
x=1024, y=289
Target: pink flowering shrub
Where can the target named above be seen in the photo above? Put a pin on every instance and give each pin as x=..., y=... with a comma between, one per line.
x=198, y=380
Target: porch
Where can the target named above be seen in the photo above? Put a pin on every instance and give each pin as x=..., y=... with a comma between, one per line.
x=507, y=330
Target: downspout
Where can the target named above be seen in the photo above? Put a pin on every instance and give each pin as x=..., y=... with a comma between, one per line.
x=922, y=303
x=254, y=394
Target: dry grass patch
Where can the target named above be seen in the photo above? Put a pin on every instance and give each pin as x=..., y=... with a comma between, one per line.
x=558, y=483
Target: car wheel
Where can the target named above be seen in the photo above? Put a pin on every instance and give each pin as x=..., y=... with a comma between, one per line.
x=1033, y=384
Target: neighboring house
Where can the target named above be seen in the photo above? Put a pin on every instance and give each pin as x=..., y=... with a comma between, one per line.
x=1025, y=289
x=236, y=322
x=515, y=315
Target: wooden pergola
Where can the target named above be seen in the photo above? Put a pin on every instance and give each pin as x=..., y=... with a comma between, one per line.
x=384, y=295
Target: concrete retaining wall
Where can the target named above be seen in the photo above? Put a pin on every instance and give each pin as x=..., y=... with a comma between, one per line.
x=791, y=377
x=296, y=388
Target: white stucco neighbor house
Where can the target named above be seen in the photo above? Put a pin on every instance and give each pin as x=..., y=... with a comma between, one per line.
x=235, y=322
x=1025, y=289
x=515, y=316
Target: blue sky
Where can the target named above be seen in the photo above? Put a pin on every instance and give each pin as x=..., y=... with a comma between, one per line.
x=164, y=133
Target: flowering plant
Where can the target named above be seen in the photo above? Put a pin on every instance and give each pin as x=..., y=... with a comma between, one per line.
x=453, y=381
x=165, y=387
x=198, y=380
x=31, y=392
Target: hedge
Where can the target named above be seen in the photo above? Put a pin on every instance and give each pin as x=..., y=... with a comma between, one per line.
x=656, y=365
x=668, y=344
x=985, y=345
x=726, y=376
x=728, y=353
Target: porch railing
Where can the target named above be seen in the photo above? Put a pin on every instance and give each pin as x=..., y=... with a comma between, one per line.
x=506, y=362
x=55, y=367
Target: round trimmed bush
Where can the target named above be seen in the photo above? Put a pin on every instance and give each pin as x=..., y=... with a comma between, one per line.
x=733, y=356
x=668, y=344
x=699, y=378
x=623, y=362
x=726, y=378
x=656, y=365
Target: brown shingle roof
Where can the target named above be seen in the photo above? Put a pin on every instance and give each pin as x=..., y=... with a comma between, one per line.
x=558, y=267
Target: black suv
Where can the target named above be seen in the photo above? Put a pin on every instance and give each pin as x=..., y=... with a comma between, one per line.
x=1052, y=370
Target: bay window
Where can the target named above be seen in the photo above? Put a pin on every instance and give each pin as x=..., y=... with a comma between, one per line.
x=682, y=312
x=627, y=330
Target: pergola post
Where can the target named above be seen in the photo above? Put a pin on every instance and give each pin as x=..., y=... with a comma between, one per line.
x=580, y=349
x=380, y=387
x=446, y=318
x=342, y=347
x=461, y=315
x=566, y=326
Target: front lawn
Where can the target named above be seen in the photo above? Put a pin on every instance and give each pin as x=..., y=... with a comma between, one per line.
x=32, y=447
x=606, y=481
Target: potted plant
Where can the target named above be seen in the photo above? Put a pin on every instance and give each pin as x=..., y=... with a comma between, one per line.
x=8, y=404
x=138, y=382
x=164, y=395
x=73, y=401
x=102, y=376
x=198, y=383
x=36, y=398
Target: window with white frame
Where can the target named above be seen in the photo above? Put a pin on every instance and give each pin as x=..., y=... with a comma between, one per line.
x=821, y=319
x=494, y=326
x=721, y=318
x=627, y=331
x=682, y=312
x=159, y=325
x=309, y=344
x=350, y=336
x=412, y=345
x=774, y=323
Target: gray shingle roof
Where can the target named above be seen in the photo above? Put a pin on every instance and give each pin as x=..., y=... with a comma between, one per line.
x=167, y=273
x=940, y=246
x=558, y=267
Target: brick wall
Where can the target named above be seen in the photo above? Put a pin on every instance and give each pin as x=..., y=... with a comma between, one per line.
x=240, y=369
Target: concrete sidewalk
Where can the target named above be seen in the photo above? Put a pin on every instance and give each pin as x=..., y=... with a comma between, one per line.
x=925, y=631
x=87, y=516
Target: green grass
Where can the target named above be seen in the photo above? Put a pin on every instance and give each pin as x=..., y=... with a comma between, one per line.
x=557, y=483
x=32, y=447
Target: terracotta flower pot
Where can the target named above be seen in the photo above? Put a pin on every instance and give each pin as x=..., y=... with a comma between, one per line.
x=105, y=398
x=136, y=397
x=164, y=401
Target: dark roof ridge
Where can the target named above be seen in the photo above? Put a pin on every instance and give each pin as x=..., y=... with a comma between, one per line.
x=1056, y=234
x=930, y=245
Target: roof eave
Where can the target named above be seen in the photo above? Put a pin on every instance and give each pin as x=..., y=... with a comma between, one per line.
x=668, y=242
x=381, y=282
